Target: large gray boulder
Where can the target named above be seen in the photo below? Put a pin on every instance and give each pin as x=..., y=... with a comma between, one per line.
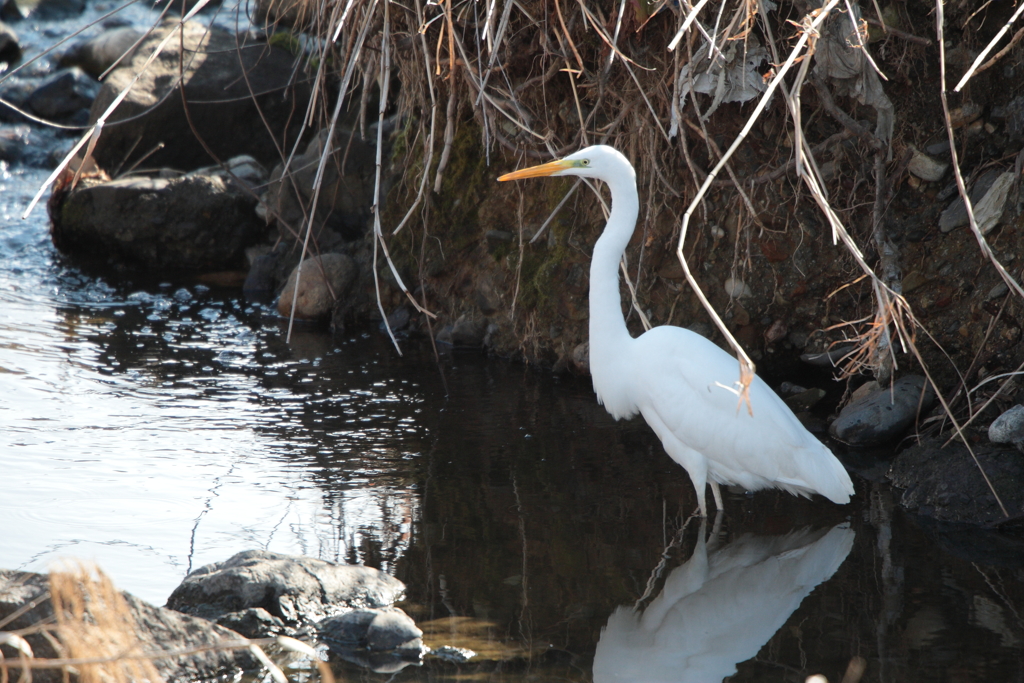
x=155, y=628
x=222, y=73
x=946, y=484
x=196, y=222
x=294, y=592
x=884, y=415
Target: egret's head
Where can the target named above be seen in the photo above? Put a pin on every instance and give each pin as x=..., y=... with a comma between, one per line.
x=599, y=161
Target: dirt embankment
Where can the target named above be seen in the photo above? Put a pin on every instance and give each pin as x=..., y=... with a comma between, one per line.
x=793, y=290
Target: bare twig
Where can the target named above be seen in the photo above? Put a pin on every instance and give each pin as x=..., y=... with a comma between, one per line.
x=1002, y=53
x=898, y=33
x=988, y=48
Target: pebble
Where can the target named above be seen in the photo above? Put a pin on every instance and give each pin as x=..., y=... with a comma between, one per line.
x=798, y=338
x=863, y=390
x=925, y=167
x=399, y=319
x=375, y=629
x=975, y=128
x=790, y=389
x=883, y=415
x=1009, y=428
x=965, y=114
x=777, y=331
x=468, y=332
x=736, y=288
x=989, y=211
x=316, y=298
x=242, y=167
x=261, y=276
x=938, y=149
x=997, y=292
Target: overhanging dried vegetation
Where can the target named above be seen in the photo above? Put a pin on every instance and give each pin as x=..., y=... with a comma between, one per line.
x=672, y=86
x=772, y=124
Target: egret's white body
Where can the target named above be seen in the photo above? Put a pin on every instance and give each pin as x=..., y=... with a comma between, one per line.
x=719, y=608
x=679, y=381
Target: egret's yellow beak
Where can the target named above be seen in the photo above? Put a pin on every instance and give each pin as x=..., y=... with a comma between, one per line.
x=547, y=169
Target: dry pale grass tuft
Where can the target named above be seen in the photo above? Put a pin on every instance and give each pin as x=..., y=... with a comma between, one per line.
x=95, y=627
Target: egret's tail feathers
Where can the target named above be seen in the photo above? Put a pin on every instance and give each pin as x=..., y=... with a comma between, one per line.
x=821, y=473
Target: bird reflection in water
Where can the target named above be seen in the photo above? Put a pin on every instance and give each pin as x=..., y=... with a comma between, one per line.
x=720, y=607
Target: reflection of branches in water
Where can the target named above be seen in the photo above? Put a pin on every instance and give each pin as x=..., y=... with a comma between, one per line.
x=670, y=549
x=889, y=575
x=371, y=526
x=524, y=621
x=207, y=508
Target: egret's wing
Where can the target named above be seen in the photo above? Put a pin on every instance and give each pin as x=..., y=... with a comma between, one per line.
x=691, y=385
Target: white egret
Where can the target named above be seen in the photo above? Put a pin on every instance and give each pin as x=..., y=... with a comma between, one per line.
x=676, y=378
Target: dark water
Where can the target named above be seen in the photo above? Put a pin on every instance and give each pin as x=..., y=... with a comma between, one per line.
x=158, y=426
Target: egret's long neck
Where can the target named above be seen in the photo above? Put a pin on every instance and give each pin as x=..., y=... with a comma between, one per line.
x=607, y=326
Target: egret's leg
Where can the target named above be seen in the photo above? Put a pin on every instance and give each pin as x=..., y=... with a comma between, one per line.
x=699, y=479
x=716, y=531
x=718, y=495
x=695, y=464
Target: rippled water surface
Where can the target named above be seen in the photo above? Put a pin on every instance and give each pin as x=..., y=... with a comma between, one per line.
x=158, y=426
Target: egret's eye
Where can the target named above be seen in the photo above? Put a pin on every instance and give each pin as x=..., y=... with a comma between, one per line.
x=585, y=162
